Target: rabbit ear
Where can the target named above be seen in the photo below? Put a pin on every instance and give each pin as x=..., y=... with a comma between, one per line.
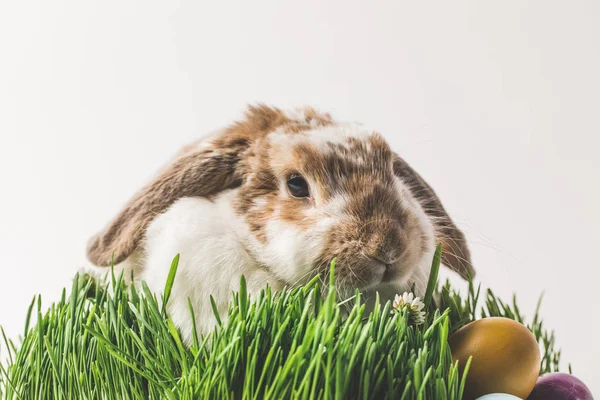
x=202, y=169
x=202, y=173
x=456, y=254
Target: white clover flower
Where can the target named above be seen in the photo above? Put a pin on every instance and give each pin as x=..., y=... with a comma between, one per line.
x=413, y=304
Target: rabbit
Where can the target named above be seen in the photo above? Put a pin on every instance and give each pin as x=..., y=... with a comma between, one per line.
x=275, y=197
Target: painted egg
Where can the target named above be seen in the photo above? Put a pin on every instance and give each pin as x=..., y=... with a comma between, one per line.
x=498, y=396
x=560, y=386
x=506, y=357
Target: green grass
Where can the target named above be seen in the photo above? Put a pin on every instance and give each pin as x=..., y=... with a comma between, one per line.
x=298, y=343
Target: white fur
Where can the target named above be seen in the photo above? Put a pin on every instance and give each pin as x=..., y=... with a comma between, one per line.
x=212, y=243
x=294, y=251
x=322, y=136
x=338, y=134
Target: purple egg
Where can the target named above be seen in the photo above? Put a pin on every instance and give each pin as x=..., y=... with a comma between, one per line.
x=560, y=386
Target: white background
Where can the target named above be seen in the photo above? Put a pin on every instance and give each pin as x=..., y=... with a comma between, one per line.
x=497, y=104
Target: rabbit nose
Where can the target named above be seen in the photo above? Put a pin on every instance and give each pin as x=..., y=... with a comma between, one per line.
x=386, y=257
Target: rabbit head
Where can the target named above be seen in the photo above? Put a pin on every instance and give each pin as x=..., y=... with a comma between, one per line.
x=308, y=189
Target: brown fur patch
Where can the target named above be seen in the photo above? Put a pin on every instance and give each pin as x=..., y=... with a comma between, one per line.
x=263, y=180
x=378, y=227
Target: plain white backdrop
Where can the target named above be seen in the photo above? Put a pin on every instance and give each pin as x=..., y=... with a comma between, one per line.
x=496, y=104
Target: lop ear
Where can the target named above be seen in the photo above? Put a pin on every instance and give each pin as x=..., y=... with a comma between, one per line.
x=202, y=173
x=202, y=169
x=456, y=254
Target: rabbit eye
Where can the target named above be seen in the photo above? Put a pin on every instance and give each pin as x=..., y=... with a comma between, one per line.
x=297, y=186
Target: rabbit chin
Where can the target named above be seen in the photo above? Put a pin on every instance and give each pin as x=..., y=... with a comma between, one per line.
x=215, y=248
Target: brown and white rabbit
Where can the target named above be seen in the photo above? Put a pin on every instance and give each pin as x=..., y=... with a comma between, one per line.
x=275, y=197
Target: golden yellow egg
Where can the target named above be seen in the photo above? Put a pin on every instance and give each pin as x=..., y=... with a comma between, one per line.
x=506, y=357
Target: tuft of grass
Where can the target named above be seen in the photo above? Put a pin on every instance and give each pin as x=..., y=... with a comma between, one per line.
x=298, y=343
